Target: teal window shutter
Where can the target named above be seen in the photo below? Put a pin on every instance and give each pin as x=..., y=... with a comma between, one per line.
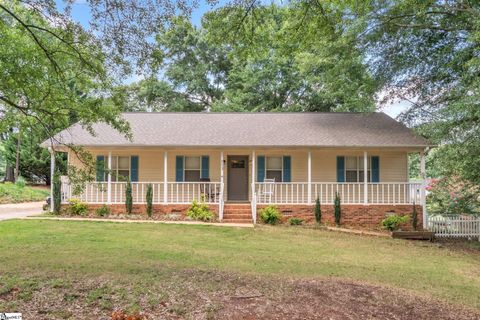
x=100, y=168
x=205, y=167
x=179, y=168
x=134, y=168
x=340, y=169
x=287, y=169
x=375, y=169
x=260, y=168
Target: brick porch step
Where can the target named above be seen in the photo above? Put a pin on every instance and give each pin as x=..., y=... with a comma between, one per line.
x=237, y=220
x=237, y=213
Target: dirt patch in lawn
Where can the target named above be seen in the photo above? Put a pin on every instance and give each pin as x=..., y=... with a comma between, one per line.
x=196, y=294
x=334, y=299
x=470, y=246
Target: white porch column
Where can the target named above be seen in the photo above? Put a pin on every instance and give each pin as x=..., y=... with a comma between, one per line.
x=309, y=188
x=253, y=172
x=221, y=167
x=109, y=179
x=165, y=177
x=52, y=173
x=253, y=200
x=222, y=188
x=422, y=190
x=365, y=178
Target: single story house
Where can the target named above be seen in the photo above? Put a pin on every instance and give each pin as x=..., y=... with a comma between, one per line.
x=239, y=162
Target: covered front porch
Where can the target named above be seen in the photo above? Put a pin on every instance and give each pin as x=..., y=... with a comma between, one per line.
x=255, y=176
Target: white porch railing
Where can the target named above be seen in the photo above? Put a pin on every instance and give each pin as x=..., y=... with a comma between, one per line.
x=461, y=226
x=350, y=193
x=186, y=192
x=265, y=193
x=177, y=192
x=282, y=192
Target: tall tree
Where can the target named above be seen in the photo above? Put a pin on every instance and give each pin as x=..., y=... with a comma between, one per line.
x=34, y=161
x=427, y=52
x=235, y=62
x=53, y=72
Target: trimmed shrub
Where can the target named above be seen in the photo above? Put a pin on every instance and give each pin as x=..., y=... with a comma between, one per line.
x=270, y=215
x=337, y=210
x=414, y=217
x=149, y=199
x=393, y=222
x=103, y=211
x=21, y=182
x=77, y=207
x=295, y=221
x=57, y=193
x=318, y=211
x=200, y=211
x=128, y=198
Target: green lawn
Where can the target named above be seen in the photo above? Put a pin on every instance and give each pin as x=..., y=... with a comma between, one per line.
x=11, y=193
x=142, y=252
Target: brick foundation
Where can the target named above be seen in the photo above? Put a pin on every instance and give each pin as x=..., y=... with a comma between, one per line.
x=354, y=216
x=140, y=209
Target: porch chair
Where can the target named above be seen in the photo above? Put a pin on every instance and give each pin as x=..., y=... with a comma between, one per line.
x=210, y=192
x=267, y=189
x=64, y=182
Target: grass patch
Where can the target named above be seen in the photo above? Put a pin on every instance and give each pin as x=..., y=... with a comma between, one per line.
x=145, y=254
x=11, y=193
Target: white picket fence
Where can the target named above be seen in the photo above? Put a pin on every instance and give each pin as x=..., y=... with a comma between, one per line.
x=458, y=226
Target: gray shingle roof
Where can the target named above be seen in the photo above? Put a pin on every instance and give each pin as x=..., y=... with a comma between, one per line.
x=250, y=129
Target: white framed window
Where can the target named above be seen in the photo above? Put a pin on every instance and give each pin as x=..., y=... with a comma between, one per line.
x=121, y=168
x=354, y=169
x=192, y=168
x=274, y=168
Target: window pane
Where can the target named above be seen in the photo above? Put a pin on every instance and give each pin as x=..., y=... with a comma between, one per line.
x=124, y=163
x=275, y=174
x=274, y=163
x=351, y=176
x=192, y=163
x=360, y=177
x=360, y=165
x=114, y=162
x=238, y=164
x=351, y=163
x=192, y=175
x=123, y=175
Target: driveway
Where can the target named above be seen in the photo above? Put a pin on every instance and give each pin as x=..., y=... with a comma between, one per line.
x=20, y=210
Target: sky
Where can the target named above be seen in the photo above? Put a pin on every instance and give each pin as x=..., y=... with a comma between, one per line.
x=81, y=14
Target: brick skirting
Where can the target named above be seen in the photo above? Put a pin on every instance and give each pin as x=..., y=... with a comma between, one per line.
x=138, y=209
x=354, y=216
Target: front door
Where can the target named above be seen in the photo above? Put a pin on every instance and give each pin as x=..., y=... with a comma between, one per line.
x=237, y=185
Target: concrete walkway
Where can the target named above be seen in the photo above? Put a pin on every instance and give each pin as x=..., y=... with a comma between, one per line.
x=20, y=210
x=216, y=224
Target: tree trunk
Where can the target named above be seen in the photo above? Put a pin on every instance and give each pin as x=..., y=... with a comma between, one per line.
x=17, y=159
x=9, y=174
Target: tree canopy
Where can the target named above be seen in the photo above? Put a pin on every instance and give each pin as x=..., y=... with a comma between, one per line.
x=247, y=56
x=232, y=63
x=428, y=53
